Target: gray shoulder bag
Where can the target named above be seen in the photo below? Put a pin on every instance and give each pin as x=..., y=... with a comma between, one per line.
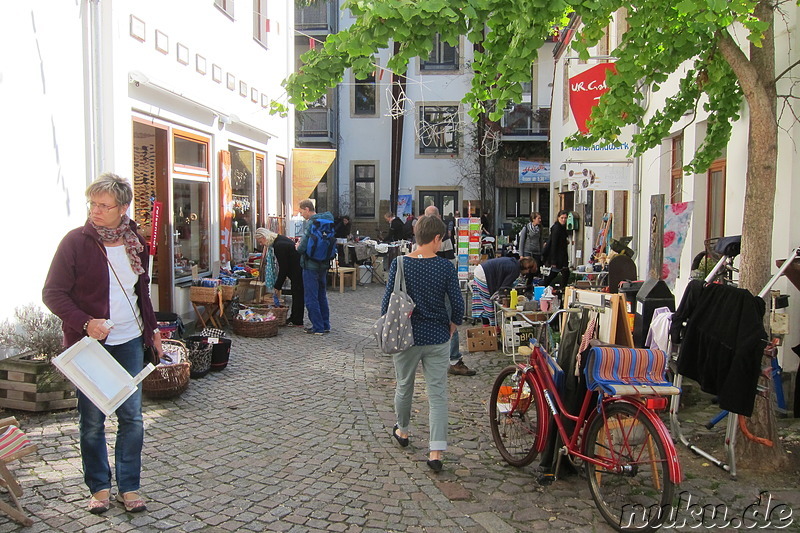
x=393, y=330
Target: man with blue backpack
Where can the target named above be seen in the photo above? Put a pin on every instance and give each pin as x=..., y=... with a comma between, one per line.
x=317, y=248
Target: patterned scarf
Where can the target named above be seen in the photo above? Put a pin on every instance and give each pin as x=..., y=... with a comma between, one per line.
x=132, y=245
x=269, y=268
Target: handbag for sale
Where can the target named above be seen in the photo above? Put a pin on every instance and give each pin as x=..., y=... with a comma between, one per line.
x=393, y=330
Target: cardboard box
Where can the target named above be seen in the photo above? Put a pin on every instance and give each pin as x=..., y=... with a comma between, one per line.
x=481, y=340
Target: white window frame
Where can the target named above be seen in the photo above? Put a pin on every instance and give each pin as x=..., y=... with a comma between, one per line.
x=226, y=6
x=260, y=33
x=441, y=130
x=356, y=84
x=428, y=66
x=376, y=180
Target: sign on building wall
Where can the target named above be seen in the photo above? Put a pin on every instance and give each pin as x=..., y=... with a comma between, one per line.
x=599, y=176
x=404, y=204
x=534, y=171
x=585, y=90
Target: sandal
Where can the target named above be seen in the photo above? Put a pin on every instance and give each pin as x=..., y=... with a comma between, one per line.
x=132, y=501
x=98, y=505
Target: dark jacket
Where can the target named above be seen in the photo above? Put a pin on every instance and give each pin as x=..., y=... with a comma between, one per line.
x=305, y=261
x=501, y=273
x=77, y=285
x=555, y=251
x=288, y=262
x=395, y=230
x=530, y=240
x=342, y=229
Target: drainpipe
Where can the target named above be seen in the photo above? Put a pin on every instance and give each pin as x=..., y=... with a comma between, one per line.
x=95, y=97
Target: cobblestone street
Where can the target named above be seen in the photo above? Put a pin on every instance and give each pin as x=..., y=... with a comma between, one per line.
x=295, y=436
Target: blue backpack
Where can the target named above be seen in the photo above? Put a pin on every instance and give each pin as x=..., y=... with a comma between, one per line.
x=321, y=245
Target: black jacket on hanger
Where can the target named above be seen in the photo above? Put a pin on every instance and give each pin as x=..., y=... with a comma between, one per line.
x=722, y=343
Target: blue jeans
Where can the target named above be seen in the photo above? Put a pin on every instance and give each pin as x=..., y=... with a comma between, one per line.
x=130, y=433
x=455, y=353
x=316, y=299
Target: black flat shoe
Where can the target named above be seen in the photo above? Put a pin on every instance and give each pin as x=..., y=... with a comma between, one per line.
x=435, y=465
x=402, y=441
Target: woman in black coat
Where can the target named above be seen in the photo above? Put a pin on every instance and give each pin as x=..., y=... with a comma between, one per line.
x=287, y=260
x=555, y=253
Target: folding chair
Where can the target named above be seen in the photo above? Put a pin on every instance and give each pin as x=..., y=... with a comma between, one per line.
x=13, y=445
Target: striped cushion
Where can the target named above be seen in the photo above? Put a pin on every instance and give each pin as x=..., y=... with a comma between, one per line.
x=12, y=440
x=628, y=371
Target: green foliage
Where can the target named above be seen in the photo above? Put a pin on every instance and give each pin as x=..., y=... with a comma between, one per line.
x=662, y=35
x=35, y=330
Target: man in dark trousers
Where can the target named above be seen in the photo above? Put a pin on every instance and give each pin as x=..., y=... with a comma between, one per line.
x=315, y=274
x=395, y=228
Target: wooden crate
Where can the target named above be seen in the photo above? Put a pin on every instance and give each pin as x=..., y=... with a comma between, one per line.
x=30, y=385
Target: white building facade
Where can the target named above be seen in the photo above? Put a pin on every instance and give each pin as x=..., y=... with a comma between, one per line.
x=173, y=95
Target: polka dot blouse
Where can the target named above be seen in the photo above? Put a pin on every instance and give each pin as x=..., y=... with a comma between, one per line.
x=428, y=281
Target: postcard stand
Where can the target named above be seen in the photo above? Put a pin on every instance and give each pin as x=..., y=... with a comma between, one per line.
x=98, y=375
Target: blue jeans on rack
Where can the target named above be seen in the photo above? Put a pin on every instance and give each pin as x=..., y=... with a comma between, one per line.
x=316, y=298
x=130, y=431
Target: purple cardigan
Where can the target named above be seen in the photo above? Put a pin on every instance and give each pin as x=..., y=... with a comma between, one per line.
x=77, y=285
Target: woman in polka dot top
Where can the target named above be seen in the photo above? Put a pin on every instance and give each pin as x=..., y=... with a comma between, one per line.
x=430, y=281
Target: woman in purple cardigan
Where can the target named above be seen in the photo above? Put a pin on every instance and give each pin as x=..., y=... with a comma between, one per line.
x=99, y=272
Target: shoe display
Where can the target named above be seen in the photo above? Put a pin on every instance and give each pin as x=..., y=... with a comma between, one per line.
x=460, y=369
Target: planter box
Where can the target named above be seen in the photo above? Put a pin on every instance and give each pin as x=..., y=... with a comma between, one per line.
x=29, y=385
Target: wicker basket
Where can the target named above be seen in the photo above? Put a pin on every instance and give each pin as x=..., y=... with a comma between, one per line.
x=227, y=292
x=168, y=381
x=508, y=396
x=203, y=295
x=280, y=313
x=245, y=328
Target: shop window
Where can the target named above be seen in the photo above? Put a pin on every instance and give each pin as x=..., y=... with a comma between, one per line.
x=247, y=183
x=715, y=209
x=519, y=202
x=364, y=186
x=438, y=129
x=190, y=153
x=442, y=57
x=676, y=170
x=260, y=21
x=226, y=6
x=364, y=96
x=190, y=212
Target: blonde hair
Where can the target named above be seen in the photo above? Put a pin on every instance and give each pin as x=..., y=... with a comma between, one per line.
x=118, y=187
x=267, y=235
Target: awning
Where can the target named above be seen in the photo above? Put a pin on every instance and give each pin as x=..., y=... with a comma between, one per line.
x=308, y=167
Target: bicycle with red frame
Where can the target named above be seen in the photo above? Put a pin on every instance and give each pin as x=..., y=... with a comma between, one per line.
x=628, y=455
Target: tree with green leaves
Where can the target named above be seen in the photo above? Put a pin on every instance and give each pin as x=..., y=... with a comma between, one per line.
x=662, y=37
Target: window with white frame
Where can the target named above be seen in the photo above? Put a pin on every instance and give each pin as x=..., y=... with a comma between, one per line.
x=226, y=6
x=442, y=57
x=439, y=127
x=364, y=188
x=191, y=204
x=365, y=96
x=260, y=22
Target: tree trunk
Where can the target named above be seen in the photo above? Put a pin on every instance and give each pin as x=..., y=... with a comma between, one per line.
x=757, y=78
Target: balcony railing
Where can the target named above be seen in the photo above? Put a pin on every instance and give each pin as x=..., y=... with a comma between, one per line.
x=317, y=16
x=315, y=124
x=524, y=120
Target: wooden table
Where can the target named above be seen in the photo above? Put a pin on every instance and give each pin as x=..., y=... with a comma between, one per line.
x=340, y=273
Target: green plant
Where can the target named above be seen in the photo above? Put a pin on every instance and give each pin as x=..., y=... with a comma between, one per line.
x=33, y=330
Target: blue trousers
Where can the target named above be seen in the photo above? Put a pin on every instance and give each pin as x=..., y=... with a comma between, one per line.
x=316, y=299
x=130, y=432
x=455, y=353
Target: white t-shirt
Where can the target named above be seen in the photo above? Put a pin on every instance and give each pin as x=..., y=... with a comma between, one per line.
x=124, y=309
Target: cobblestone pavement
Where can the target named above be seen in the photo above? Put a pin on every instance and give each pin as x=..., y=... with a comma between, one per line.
x=295, y=436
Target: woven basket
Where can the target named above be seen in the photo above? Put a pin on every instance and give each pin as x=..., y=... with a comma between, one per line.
x=280, y=313
x=203, y=295
x=508, y=396
x=168, y=381
x=245, y=328
x=227, y=292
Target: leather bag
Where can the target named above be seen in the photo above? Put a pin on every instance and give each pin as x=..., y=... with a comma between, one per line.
x=393, y=330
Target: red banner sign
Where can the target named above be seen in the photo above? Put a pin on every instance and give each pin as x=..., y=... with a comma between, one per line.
x=585, y=90
x=155, y=226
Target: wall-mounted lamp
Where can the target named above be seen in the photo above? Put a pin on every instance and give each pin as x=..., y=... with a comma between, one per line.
x=563, y=166
x=224, y=119
x=136, y=78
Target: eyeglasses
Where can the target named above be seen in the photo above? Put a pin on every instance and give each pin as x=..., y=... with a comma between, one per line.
x=103, y=208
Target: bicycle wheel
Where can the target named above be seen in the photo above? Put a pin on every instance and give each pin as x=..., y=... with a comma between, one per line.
x=632, y=496
x=515, y=416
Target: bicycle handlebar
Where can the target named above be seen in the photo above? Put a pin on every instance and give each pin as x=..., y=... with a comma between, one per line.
x=549, y=320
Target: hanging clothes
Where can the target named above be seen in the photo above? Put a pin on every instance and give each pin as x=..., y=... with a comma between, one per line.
x=722, y=343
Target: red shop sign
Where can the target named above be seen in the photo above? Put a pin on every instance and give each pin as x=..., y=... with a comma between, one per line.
x=585, y=90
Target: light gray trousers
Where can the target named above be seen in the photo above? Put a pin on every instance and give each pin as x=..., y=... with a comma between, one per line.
x=435, y=359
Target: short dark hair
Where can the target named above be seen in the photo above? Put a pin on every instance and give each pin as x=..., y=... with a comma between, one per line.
x=428, y=227
x=528, y=263
x=562, y=212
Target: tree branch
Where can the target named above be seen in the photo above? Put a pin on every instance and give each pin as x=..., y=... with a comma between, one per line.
x=787, y=69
